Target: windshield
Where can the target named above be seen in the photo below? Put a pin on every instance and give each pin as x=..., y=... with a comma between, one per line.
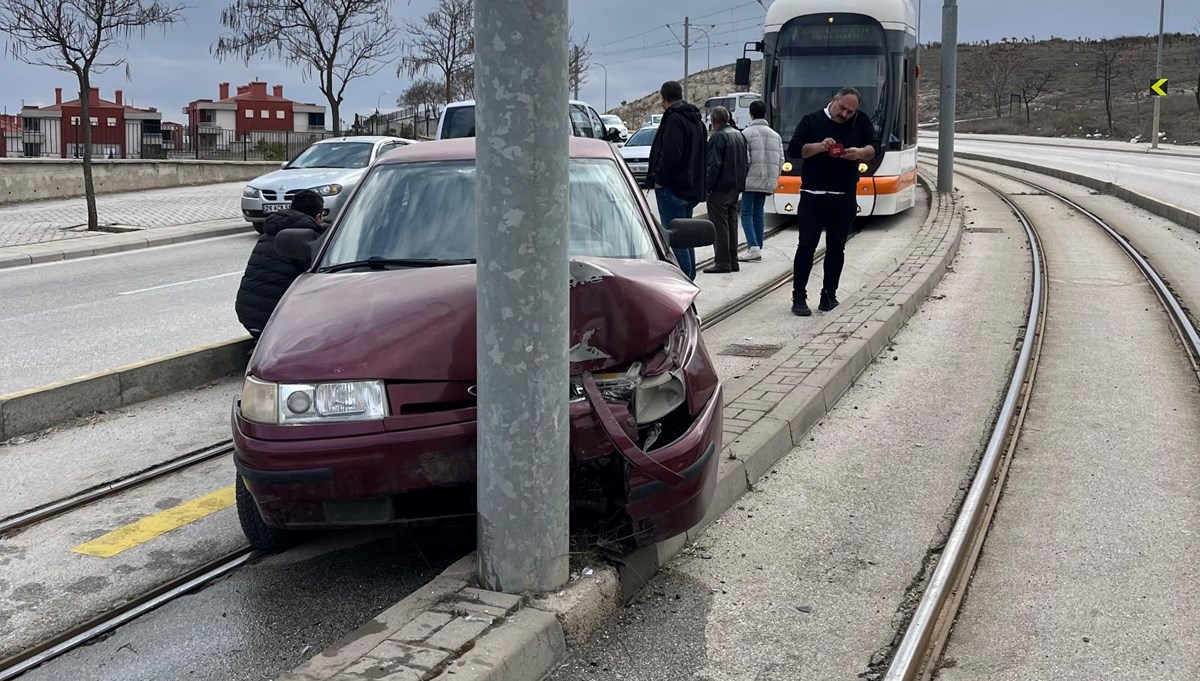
x=460, y=122
x=426, y=211
x=642, y=138
x=814, y=61
x=334, y=155
x=612, y=120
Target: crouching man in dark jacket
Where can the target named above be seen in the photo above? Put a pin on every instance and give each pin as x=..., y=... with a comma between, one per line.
x=268, y=274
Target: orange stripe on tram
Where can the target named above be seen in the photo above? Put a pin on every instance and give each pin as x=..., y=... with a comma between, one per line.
x=890, y=184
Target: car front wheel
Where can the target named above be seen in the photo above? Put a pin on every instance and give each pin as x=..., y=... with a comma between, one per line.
x=258, y=533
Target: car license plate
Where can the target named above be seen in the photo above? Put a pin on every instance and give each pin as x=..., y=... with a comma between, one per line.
x=639, y=167
x=274, y=207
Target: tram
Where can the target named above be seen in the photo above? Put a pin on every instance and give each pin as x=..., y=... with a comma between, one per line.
x=813, y=48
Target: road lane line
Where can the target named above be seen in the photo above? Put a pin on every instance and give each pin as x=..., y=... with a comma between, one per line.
x=179, y=283
x=142, y=531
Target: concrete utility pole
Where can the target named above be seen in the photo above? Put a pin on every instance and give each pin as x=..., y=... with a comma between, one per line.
x=945, y=180
x=1162, y=11
x=523, y=334
x=687, y=42
x=605, y=86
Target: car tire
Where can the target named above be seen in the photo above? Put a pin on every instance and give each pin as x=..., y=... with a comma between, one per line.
x=258, y=533
x=258, y=227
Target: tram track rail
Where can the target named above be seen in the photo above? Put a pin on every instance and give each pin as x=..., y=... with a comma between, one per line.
x=919, y=652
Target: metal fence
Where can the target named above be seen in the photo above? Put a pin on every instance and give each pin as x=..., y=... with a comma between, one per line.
x=420, y=125
x=49, y=138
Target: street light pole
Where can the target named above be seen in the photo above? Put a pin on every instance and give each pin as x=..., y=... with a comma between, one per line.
x=945, y=179
x=375, y=126
x=1162, y=10
x=605, y=85
x=523, y=319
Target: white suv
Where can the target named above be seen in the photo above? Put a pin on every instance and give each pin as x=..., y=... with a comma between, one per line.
x=458, y=120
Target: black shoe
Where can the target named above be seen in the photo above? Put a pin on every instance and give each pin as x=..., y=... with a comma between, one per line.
x=828, y=301
x=718, y=269
x=800, y=308
x=735, y=267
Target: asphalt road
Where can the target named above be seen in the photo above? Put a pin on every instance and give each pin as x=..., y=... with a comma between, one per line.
x=65, y=319
x=1171, y=178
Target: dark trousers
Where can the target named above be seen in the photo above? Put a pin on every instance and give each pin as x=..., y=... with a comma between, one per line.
x=671, y=207
x=833, y=213
x=723, y=210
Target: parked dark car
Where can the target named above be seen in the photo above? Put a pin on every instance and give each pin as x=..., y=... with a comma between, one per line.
x=358, y=405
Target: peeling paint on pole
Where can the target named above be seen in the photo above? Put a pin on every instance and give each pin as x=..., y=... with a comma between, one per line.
x=522, y=133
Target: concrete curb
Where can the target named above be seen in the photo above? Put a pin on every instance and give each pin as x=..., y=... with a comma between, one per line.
x=1181, y=216
x=536, y=637
x=101, y=244
x=35, y=409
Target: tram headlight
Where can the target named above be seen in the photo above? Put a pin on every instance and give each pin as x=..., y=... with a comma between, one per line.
x=787, y=166
x=862, y=168
x=788, y=207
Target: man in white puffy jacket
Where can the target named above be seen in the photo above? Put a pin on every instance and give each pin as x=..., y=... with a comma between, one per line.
x=766, y=159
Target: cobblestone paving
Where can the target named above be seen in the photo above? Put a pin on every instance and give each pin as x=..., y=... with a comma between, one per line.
x=43, y=221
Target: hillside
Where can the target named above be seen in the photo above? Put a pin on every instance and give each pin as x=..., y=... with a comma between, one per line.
x=1073, y=104
x=708, y=83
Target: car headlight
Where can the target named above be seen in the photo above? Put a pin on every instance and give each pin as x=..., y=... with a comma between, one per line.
x=251, y=192
x=328, y=189
x=681, y=344
x=298, y=403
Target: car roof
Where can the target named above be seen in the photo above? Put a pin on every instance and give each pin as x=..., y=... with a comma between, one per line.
x=471, y=102
x=463, y=149
x=359, y=138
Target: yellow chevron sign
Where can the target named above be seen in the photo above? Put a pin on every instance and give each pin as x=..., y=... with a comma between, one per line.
x=1160, y=88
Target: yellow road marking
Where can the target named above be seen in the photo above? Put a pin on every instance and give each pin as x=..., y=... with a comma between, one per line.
x=148, y=528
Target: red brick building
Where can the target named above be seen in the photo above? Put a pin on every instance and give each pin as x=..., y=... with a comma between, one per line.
x=118, y=130
x=253, y=110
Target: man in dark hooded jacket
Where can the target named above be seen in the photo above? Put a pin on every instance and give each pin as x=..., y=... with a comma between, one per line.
x=269, y=274
x=678, y=165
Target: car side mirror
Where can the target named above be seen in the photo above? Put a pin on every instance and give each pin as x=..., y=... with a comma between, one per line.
x=690, y=233
x=612, y=135
x=298, y=243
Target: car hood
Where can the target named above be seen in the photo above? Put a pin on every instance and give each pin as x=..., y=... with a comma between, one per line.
x=419, y=324
x=307, y=178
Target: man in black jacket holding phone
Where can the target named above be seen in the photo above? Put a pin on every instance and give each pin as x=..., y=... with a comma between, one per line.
x=832, y=143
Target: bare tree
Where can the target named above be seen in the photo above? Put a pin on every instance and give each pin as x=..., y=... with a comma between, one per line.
x=73, y=37
x=579, y=59
x=994, y=68
x=424, y=93
x=443, y=40
x=1033, y=82
x=337, y=41
x=1109, y=59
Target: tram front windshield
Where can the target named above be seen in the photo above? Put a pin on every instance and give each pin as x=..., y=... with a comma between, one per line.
x=815, y=60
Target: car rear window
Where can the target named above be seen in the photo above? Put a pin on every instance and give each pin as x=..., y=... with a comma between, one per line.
x=427, y=211
x=460, y=122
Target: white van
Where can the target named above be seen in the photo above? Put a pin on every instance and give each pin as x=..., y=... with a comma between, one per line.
x=738, y=104
x=458, y=120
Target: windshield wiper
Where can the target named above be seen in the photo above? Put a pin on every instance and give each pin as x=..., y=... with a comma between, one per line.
x=378, y=263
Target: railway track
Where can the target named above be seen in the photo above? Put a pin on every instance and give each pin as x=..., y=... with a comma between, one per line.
x=919, y=651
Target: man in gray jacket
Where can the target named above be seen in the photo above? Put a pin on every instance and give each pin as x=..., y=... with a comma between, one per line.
x=728, y=161
x=766, y=159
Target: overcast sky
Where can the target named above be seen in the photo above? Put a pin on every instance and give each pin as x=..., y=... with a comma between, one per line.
x=633, y=39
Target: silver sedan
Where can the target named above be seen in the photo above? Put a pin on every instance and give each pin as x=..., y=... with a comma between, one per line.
x=330, y=167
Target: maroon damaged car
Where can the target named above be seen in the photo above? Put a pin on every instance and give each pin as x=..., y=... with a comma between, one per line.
x=358, y=405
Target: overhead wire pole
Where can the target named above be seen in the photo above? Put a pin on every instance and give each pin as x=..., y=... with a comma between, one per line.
x=945, y=179
x=1162, y=11
x=686, y=44
x=522, y=293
